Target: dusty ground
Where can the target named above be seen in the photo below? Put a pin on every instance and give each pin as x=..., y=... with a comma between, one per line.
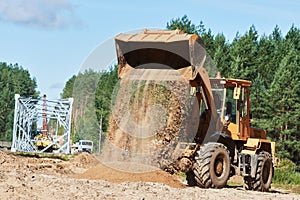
x=83, y=177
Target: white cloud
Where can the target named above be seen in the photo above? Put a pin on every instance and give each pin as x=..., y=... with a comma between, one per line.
x=39, y=13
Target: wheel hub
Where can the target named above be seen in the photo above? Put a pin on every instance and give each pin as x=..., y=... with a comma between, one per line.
x=219, y=167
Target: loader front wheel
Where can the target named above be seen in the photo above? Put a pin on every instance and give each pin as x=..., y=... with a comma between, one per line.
x=264, y=173
x=212, y=166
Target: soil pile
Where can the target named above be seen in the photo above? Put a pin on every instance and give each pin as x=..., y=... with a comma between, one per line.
x=85, y=160
x=20, y=163
x=102, y=172
x=50, y=166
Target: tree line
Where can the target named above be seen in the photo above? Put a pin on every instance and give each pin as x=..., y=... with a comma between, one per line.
x=92, y=92
x=13, y=80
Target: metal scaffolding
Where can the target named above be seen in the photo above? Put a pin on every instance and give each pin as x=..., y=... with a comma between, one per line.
x=42, y=125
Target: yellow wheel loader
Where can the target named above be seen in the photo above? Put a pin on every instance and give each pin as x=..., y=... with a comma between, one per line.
x=224, y=142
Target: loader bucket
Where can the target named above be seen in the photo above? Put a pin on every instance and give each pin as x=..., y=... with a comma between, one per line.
x=174, y=53
x=161, y=50
x=166, y=55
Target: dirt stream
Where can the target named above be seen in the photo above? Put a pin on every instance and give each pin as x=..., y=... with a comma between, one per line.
x=84, y=177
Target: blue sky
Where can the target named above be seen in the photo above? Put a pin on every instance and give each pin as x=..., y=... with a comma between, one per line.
x=53, y=38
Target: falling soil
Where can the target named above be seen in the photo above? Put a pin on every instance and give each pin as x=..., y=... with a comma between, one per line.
x=148, y=119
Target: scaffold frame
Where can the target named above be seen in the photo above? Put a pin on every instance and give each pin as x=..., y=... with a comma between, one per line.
x=29, y=112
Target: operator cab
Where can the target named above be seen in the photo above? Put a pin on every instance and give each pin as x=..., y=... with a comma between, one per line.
x=232, y=101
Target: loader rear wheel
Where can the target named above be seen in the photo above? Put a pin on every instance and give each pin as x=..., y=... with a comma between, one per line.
x=212, y=166
x=264, y=173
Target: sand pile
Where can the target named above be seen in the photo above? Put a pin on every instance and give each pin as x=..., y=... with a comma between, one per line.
x=85, y=160
x=102, y=172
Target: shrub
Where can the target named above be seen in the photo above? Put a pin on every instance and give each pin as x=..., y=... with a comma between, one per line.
x=285, y=173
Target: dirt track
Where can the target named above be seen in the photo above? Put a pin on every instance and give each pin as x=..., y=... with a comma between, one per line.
x=85, y=178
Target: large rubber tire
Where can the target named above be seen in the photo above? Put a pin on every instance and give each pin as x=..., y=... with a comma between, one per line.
x=212, y=166
x=264, y=173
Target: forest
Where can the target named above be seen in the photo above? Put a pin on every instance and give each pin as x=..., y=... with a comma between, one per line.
x=271, y=61
x=13, y=80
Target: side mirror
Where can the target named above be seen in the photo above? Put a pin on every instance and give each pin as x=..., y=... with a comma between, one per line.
x=236, y=93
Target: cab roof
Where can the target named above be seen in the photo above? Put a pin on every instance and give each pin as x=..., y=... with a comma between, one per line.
x=240, y=82
x=230, y=82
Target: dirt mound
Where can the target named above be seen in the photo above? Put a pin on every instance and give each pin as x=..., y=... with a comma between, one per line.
x=85, y=160
x=102, y=172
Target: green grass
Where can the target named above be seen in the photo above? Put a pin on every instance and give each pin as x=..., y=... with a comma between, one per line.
x=285, y=176
x=234, y=184
x=180, y=174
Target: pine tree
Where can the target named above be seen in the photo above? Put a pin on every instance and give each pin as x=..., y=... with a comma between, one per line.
x=221, y=56
x=186, y=25
x=106, y=90
x=68, y=89
x=243, y=54
x=283, y=97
